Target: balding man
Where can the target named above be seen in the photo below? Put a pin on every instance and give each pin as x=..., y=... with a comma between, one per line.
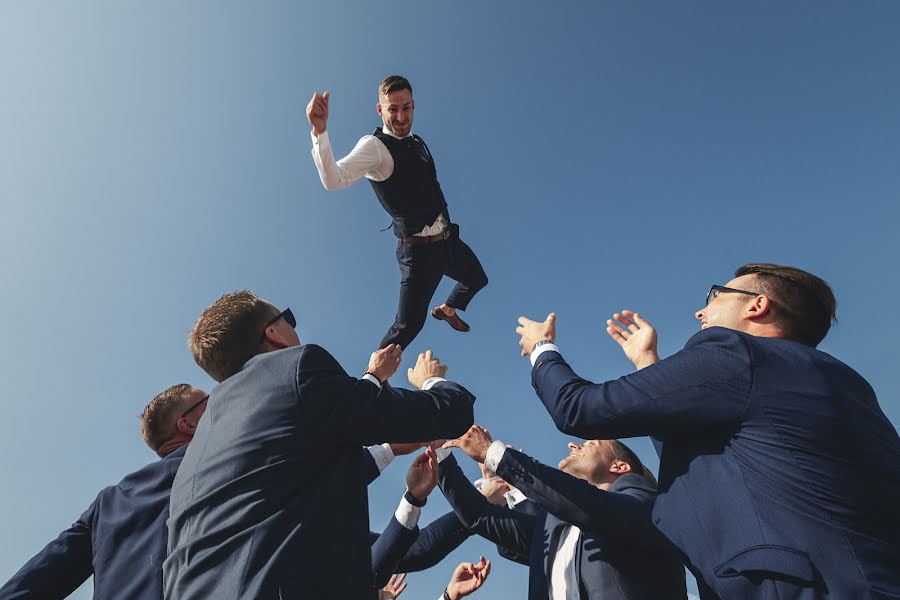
x=121, y=538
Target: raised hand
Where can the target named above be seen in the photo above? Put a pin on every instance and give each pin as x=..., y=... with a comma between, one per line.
x=475, y=442
x=427, y=366
x=422, y=476
x=394, y=587
x=636, y=337
x=534, y=331
x=317, y=112
x=467, y=578
x=383, y=363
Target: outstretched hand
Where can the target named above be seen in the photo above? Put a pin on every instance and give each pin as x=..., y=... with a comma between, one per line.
x=427, y=366
x=534, y=331
x=383, y=363
x=467, y=578
x=393, y=588
x=317, y=112
x=422, y=476
x=636, y=337
x=475, y=443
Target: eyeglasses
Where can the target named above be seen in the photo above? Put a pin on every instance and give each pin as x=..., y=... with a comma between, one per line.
x=286, y=314
x=185, y=413
x=714, y=292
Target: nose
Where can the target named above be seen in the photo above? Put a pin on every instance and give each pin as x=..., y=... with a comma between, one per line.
x=573, y=446
x=699, y=314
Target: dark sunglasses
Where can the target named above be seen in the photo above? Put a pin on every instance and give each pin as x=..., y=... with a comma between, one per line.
x=714, y=291
x=185, y=413
x=286, y=314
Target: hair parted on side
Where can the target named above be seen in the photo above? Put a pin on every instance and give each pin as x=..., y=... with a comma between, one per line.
x=226, y=334
x=804, y=304
x=393, y=83
x=157, y=424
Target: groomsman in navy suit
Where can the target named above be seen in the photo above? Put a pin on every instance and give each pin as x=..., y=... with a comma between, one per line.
x=273, y=476
x=592, y=535
x=121, y=538
x=779, y=473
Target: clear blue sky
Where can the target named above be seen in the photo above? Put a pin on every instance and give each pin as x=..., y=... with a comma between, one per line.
x=598, y=156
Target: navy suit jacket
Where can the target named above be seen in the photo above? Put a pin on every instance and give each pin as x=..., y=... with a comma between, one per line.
x=120, y=540
x=620, y=554
x=779, y=473
x=271, y=489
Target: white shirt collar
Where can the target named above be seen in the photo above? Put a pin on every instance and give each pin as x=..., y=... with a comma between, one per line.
x=387, y=131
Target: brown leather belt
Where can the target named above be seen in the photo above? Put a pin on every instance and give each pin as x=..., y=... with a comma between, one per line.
x=421, y=240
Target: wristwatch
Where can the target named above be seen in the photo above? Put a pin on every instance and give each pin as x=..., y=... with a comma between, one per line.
x=413, y=500
x=446, y=595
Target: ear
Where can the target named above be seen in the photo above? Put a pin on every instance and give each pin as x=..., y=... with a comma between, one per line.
x=186, y=427
x=275, y=339
x=759, y=307
x=378, y=108
x=619, y=467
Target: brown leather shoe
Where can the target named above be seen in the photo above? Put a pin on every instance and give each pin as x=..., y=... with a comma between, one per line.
x=454, y=321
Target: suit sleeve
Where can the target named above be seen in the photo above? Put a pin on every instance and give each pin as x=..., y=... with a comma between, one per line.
x=435, y=542
x=707, y=384
x=356, y=411
x=389, y=548
x=58, y=569
x=501, y=525
x=625, y=516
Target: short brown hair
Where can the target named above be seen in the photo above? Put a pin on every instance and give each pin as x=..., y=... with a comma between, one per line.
x=625, y=454
x=393, y=83
x=804, y=304
x=227, y=334
x=157, y=425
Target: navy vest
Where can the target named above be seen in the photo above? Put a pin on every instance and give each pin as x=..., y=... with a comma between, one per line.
x=412, y=194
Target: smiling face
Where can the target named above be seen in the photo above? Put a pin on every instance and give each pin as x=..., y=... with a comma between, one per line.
x=589, y=461
x=729, y=309
x=396, y=110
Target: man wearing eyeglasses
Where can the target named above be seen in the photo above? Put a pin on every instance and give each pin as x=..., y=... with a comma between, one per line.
x=779, y=473
x=402, y=172
x=272, y=484
x=121, y=537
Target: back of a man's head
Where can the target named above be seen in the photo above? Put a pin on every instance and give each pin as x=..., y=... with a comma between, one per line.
x=158, y=421
x=228, y=333
x=804, y=304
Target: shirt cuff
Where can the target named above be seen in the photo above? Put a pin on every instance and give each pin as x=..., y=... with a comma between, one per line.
x=382, y=454
x=407, y=514
x=494, y=455
x=429, y=383
x=373, y=379
x=541, y=349
x=321, y=139
x=442, y=453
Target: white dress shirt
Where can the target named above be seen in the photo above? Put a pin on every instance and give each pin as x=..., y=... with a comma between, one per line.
x=370, y=158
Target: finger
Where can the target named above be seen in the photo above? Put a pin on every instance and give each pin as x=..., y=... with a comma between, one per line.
x=409, y=373
x=616, y=336
x=524, y=322
x=624, y=322
x=428, y=355
x=451, y=444
x=421, y=357
x=400, y=589
x=551, y=319
x=618, y=328
x=640, y=320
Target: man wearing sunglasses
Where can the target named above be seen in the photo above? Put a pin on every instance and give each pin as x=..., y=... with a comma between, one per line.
x=273, y=480
x=779, y=473
x=121, y=537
